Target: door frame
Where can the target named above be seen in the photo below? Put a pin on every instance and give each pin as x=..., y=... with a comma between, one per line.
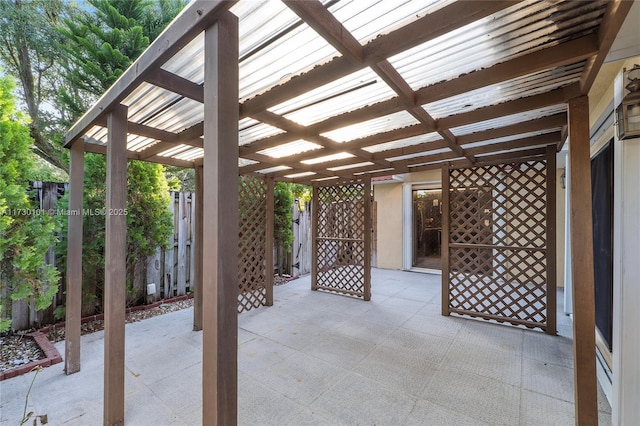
x=407, y=223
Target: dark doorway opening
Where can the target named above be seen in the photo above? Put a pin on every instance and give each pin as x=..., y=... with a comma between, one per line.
x=427, y=228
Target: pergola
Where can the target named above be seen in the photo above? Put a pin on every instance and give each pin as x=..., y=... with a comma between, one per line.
x=336, y=92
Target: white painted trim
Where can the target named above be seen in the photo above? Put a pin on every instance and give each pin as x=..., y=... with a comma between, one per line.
x=407, y=224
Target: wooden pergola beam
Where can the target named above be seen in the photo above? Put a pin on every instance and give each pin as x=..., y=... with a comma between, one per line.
x=131, y=155
x=550, y=57
x=193, y=20
x=535, y=125
x=176, y=84
x=428, y=27
x=614, y=16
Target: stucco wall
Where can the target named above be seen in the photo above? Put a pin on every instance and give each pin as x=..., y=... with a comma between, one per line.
x=388, y=198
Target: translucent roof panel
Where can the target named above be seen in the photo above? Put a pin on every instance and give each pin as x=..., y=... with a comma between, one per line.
x=245, y=162
x=274, y=169
x=189, y=62
x=349, y=166
x=510, y=138
x=401, y=143
x=371, y=127
x=173, y=151
x=282, y=52
x=179, y=116
x=299, y=175
x=190, y=154
x=327, y=158
x=345, y=94
x=419, y=154
x=252, y=130
x=509, y=120
x=290, y=148
x=365, y=20
x=139, y=143
x=521, y=29
x=516, y=88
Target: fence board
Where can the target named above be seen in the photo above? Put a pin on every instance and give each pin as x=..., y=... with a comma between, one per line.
x=184, y=217
x=168, y=272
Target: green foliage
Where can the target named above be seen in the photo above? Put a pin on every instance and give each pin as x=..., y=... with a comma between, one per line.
x=283, y=202
x=26, y=236
x=302, y=193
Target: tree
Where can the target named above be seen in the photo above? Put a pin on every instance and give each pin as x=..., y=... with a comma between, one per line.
x=30, y=51
x=26, y=234
x=100, y=45
x=283, y=220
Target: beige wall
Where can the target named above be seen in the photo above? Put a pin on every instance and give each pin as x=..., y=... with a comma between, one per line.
x=388, y=198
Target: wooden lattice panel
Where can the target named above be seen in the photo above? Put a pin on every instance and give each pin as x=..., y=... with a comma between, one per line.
x=252, y=208
x=497, y=247
x=342, y=228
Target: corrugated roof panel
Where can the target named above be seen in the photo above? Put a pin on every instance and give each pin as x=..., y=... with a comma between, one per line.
x=326, y=158
x=509, y=120
x=290, y=148
x=521, y=29
x=274, y=169
x=345, y=94
x=146, y=101
x=371, y=127
x=190, y=155
x=97, y=133
x=299, y=175
x=511, y=137
x=182, y=114
x=401, y=143
x=173, y=151
x=288, y=54
x=245, y=162
x=520, y=87
x=366, y=20
x=189, y=62
x=254, y=132
x=419, y=154
x=350, y=166
x=139, y=143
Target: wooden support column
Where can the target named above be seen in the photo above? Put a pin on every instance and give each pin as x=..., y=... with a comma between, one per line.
x=115, y=266
x=197, y=252
x=444, y=249
x=268, y=279
x=551, y=241
x=315, y=204
x=220, y=224
x=368, y=226
x=584, y=344
x=74, y=261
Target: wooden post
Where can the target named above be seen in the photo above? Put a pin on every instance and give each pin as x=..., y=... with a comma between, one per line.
x=584, y=344
x=368, y=222
x=115, y=266
x=444, y=249
x=268, y=279
x=196, y=241
x=551, y=241
x=314, y=238
x=220, y=224
x=74, y=261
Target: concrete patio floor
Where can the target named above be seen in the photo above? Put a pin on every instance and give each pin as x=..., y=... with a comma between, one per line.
x=324, y=359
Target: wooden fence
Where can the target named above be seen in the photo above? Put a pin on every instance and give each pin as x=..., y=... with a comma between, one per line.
x=170, y=272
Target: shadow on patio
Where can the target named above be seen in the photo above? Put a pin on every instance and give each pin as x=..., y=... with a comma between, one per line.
x=323, y=359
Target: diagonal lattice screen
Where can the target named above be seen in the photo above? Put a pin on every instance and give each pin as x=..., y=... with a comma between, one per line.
x=497, y=266
x=252, y=209
x=342, y=245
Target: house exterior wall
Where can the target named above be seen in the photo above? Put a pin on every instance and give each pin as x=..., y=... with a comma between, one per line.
x=388, y=197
